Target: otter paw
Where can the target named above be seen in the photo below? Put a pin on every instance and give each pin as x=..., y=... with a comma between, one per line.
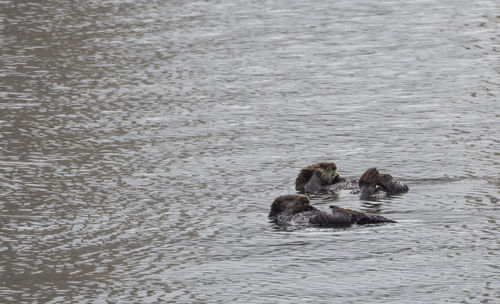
x=389, y=185
x=352, y=214
x=358, y=217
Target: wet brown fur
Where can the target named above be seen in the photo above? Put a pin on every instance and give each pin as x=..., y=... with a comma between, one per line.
x=370, y=177
x=294, y=202
x=327, y=172
x=297, y=207
x=383, y=179
x=355, y=215
x=360, y=217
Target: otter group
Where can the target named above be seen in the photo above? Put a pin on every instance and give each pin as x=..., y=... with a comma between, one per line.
x=296, y=209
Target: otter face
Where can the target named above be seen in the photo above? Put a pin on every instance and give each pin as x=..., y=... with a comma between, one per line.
x=292, y=202
x=328, y=172
x=325, y=171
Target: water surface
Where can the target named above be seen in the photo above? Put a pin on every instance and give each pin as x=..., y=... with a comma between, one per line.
x=142, y=143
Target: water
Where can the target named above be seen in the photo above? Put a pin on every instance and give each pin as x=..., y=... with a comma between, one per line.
x=142, y=143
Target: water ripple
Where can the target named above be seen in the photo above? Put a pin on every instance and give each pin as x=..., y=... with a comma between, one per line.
x=143, y=142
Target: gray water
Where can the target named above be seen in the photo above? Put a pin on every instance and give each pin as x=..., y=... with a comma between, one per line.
x=142, y=143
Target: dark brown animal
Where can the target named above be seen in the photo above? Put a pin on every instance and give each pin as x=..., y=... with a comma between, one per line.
x=324, y=176
x=317, y=177
x=296, y=209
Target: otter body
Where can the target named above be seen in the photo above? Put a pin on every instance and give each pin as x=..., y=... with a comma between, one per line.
x=324, y=176
x=296, y=209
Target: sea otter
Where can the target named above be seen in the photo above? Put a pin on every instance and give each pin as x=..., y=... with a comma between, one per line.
x=324, y=176
x=296, y=209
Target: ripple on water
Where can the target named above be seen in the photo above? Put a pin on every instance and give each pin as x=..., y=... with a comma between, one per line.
x=143, y=143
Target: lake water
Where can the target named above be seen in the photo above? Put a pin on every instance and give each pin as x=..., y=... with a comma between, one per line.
x=142, y=143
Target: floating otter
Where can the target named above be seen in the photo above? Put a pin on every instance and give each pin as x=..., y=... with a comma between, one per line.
x=324, y=176
x=317, y=177
x=296, y=209
x=373, y=183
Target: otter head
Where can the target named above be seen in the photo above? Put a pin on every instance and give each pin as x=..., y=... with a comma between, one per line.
x=325, y=171
x=389, y=185
x=292, y=203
